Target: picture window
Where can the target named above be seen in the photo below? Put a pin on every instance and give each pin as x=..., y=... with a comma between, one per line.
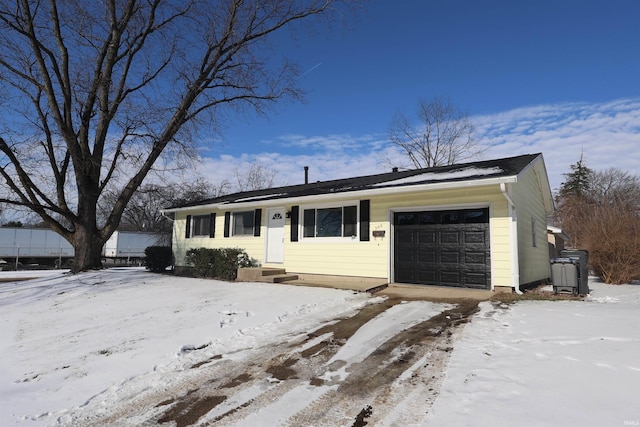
x=330, y=222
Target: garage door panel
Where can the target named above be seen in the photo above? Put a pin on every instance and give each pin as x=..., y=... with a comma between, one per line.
x=450, y=257
x=445, y=250
x=476, y=280
x=479, y=258
x=478, y=237
x=405, y=237
x=426, y=276
x=450, y=278
x=426, y=237
x=407, y=257
x=427, y=256
x=406, y=275
x=449, y=237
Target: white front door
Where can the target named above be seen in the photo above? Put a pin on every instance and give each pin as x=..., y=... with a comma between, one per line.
x=275, y=235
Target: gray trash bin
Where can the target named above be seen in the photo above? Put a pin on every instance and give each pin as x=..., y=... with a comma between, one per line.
x=565, y=275
x=583, y=264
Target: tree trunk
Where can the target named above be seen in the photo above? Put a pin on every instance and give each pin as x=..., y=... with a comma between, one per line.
x=87, y=245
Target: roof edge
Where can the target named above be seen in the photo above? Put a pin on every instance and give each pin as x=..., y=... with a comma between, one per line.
x=354, y=194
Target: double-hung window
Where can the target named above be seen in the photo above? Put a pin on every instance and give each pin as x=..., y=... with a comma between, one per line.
x=243, y=223
x=335, y=221
x=201, y=225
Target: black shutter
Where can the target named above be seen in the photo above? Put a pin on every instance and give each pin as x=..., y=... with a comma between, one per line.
x=257, y=222
x=187, y=231
x=227, y=223
x=364, y=220
x=212, y=225
x=295, y=216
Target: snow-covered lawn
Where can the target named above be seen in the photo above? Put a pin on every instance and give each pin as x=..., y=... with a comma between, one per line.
x=84, y=343
x=544, y=363
x=64, y=339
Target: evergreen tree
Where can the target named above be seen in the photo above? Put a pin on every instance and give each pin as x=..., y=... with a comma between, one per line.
x=578, y=181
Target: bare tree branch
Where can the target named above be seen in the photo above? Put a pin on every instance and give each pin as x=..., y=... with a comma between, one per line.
x=440, y=135
x=108, y=88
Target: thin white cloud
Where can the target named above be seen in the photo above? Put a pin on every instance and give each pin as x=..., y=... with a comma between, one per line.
x=341, y=142
x=607, y=133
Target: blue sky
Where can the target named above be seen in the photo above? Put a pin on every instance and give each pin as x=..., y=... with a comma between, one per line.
x=555, y=77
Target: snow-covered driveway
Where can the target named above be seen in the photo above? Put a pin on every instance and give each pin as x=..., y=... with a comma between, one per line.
x=124, y=346
x=127, y=347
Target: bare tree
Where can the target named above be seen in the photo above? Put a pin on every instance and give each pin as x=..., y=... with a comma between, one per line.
x=439, y=135
x=143, y=212
x=611, y=234
x=96, y=93
x=615, y=186
x=256, y=177
x=602, y=215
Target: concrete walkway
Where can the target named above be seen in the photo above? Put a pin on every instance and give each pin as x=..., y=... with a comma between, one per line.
x=393, y=290
x=367, y=285
x=422, y=292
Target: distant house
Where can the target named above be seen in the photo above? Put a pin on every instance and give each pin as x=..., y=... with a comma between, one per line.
x=478, y=225
x=557, y=240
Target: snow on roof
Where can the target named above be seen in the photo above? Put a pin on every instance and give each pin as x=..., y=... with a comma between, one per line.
x=449, y=175
x=462, y=172
x=255, y=198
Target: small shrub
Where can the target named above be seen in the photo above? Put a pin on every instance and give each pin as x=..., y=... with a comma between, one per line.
x=202, y=260
x=221, y=263
x=158, y=258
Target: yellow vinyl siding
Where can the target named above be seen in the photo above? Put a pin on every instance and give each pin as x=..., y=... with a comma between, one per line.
x=351, y=257
x=254, y=246
x=528, y=197
x=339, y=256
x=374, y=258
x=501, y=251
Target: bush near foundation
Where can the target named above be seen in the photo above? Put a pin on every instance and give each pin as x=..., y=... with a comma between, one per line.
x=158, y=258
x=219, y=263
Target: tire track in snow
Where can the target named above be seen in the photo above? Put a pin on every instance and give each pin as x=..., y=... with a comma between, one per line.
x=328, y=378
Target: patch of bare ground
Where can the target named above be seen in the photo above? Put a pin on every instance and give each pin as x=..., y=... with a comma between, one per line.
x=540, y=293
x=189, y=409
x=394, y=385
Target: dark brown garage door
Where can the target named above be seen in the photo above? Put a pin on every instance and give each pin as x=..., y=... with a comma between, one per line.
x=444, y=248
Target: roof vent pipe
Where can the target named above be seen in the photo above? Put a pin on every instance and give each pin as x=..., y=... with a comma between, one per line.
x=395, y=169
x=306, y=174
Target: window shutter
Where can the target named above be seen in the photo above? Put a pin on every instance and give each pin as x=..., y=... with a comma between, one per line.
x=212, y=225
x=257, y=222
x=187, y=231
x=364, y=220
x=295, y=216
x=227, y=223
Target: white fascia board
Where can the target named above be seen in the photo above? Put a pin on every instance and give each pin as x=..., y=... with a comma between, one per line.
x=360, y=193
x=188, y=209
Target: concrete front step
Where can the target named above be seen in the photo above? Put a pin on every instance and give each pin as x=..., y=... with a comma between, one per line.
x=279, y=278
x=273, y=271
x=264, y=274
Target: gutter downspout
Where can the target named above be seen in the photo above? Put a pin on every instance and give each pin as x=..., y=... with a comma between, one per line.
x=515, y=262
